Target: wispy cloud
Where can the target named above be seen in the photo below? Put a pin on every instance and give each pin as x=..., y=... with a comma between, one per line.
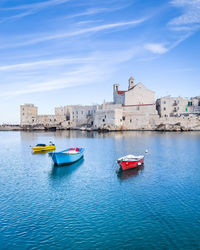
x=36, y=6
x=190, y=16
x=44, y=63
x=93, y=11
x=93, y=69
x=29, y=9
x=78, y=32
x=156, y=48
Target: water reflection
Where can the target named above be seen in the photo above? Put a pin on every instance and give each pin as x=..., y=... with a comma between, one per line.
x=59, y=172
x=124, y=175
x=43, y=136
x=42, y=152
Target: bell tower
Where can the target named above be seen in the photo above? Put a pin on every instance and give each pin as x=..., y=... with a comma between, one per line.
x=131, y=83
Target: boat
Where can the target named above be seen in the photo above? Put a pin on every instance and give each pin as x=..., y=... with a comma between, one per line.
x=130, y=161
x=43, y=147
x=67, y=156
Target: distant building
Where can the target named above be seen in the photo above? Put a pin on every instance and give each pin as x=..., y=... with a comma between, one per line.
x=131, y=109
x=195, y=104
x=28, y=114
x=135, y=95
x=134, y=108
x=176, y=106
x=171, y=106
x=29, y=117
x=77, y=115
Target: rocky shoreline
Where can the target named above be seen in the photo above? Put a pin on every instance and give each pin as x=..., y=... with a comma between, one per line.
x=161, y=128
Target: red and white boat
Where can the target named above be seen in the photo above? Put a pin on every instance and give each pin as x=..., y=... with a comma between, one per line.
x=130, y=161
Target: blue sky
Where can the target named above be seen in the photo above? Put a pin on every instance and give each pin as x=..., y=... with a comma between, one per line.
x=59, y=52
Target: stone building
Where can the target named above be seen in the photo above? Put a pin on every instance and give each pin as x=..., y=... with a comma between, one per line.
x=176, y=106
x=131, y=109
x=28, y=114
x=77, y=115
x=195, y=105
x=135, y=95
x=172, y=106
x=29, y=117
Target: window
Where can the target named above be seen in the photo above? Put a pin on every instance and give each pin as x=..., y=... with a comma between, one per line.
x=130, y=120
x=123, y=118
x=164, y=108
x=103, y=120
x=77, y=112
x=54, y=120
x=105, y=116
x=164, y=102
x=22, y=113
x=82, y=112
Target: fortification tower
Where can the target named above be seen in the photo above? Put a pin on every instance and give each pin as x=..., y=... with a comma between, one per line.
x=28, y=114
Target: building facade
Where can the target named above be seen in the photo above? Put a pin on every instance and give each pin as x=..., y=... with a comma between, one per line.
x=171, y=106
x=176, y=106
x=29, y=117
x=131, y=109
x=135, y=95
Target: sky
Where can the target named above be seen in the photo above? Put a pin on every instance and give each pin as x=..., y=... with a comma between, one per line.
x=63, y=52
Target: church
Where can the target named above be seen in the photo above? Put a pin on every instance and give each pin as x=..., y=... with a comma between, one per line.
x=137, y=94
x=131, y=109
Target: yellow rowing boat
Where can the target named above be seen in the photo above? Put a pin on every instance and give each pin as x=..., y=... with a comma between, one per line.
x=43, y=147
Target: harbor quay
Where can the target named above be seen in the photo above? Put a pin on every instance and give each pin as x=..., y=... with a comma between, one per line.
x=133, y=109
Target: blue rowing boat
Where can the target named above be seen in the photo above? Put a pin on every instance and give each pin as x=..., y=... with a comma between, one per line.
x=67, y=156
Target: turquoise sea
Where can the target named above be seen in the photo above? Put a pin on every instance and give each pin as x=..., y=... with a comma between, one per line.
x=87, y=205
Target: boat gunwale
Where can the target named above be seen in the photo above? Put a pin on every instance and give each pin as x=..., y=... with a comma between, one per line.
x=68, y=153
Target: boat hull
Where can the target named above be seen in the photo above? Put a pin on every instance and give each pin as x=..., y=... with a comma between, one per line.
x=42, y=149
x=60, y=158
x=125, y=165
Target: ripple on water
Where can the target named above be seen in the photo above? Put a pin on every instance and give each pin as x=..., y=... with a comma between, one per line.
x=87, y=205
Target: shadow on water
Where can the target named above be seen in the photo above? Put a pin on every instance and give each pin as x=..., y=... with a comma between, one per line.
x=124, y=175
x=65, y=170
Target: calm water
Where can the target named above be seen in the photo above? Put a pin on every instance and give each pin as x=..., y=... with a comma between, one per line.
x=87, y=206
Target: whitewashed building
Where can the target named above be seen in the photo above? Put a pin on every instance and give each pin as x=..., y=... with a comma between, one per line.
x=131, y=109
x=171, y=106
x=78, y=115
x=135, y=95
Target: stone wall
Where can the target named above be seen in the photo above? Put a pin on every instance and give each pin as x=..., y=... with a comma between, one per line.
x=139, y=94
x=50, y=120
x=108, y=119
